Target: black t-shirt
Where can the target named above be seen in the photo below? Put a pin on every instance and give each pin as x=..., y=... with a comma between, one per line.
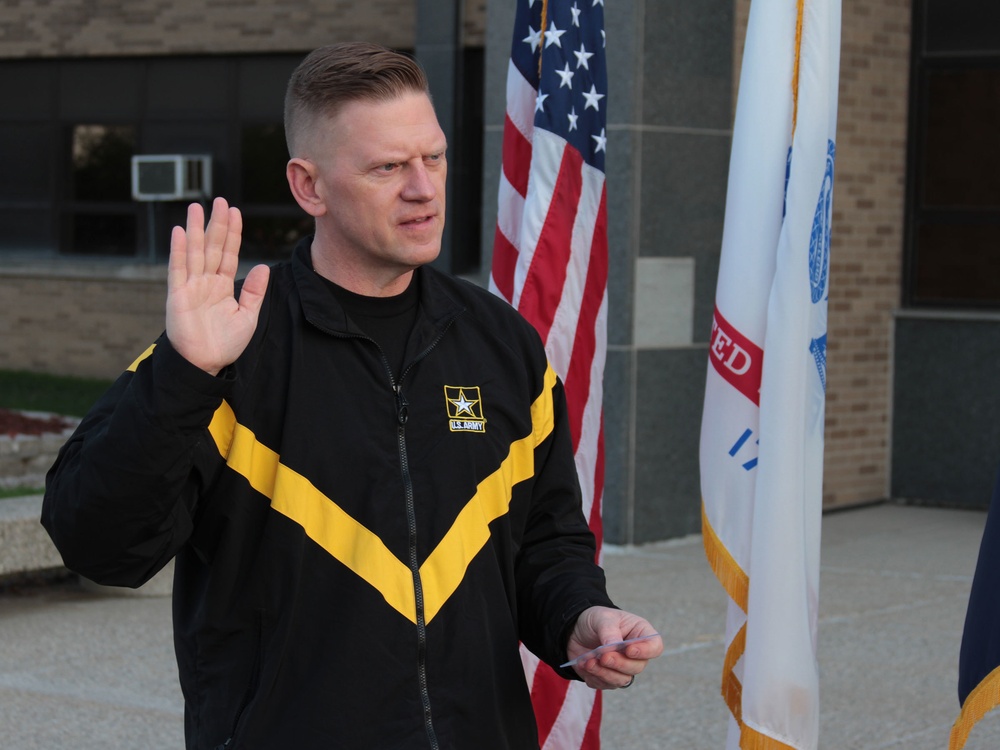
x=386, y=320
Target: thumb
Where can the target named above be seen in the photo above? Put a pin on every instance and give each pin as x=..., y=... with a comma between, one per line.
x=254, y=287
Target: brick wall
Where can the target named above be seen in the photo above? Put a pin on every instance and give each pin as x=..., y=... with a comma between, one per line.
x=866, y=253
x=72, y=28
x=79, y=322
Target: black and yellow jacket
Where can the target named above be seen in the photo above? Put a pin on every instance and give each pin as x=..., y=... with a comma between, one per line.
x=357, y=556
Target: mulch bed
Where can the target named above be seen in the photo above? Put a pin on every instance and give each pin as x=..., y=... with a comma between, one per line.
x=13, y=423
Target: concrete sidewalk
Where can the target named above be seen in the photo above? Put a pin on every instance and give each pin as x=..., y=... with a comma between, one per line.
x=92, y=671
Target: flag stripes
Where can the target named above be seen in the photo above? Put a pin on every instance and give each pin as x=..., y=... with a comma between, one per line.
x=550, y=262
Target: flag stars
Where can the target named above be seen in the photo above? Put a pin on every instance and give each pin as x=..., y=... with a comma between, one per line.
x=601, y=142
x=540, y=101
x=552, y=35
x=567, y=77
x=534, y=38
x=573, y=117
x=582, y=56
x=592, y=98
x=575, y=10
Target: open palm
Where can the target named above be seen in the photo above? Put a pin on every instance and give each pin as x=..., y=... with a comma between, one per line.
x=206, y=324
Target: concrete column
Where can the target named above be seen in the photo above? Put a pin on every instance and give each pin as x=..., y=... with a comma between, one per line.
x=438, y=47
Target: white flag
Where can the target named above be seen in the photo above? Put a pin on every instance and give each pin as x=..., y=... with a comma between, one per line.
x=762, y=427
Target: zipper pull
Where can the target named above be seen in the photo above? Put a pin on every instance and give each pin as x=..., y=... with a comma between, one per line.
x=402, y=406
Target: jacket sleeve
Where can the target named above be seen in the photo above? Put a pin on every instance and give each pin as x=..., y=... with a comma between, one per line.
x=557, y=573
x=121, y=495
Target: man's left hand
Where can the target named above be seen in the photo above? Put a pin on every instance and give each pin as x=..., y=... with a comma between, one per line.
x=614, y=669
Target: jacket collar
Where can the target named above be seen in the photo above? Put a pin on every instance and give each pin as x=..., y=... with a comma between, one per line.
x=321, y=308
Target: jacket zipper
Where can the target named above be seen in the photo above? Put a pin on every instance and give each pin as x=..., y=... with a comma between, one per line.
x=402, y=415
x=414, y=562
x=254, y=682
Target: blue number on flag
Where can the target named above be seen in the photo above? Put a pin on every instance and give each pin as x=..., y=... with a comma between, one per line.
x=739, y=444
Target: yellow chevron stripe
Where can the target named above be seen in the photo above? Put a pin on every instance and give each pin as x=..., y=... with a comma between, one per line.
x=356, y=546
x=324, y=521
x=131, y=367
x=445, y=568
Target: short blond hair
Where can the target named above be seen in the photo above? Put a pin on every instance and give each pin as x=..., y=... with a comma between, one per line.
x=331, y=76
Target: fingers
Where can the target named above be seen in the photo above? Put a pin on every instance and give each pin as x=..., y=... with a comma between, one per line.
x=230, y=253
x=601, y=677
x=177, y=264
x=614, y=664
x=217, y=235
x=197, y=250
x=618, y=669
x=254, y=286
x=631, y=661
x=195, y=232
x=612, y=670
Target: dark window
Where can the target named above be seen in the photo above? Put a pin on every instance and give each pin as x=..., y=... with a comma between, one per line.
x=962, y=26
x=272, y=237
x=263, y=157
x=27, y=229
x=69, y=128
x=93, y=233
x=99, y=217
x=25, y=174
x=102, y=162
x=961, y=157
x=953, y=206
x=272, y=220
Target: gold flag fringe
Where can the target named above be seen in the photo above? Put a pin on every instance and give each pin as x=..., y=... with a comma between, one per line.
x=795, y=69
x=737, y=585
x=751, y=739
x=732, y=688
x=983, y=699
x=541, y=44
x=723, y=564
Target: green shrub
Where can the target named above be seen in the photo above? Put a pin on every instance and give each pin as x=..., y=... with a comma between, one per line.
x=32, y=391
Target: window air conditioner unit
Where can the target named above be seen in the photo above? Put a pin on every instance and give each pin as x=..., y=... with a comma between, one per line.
x=171, y=177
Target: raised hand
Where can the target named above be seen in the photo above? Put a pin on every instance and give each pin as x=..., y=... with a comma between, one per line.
x=206, y=324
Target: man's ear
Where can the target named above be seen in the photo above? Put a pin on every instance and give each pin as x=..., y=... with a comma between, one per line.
x=302, y=177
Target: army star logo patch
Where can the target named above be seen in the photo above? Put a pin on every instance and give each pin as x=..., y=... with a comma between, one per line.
x=465, y=408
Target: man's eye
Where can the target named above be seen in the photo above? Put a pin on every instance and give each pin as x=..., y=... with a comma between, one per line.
x=436, y=157
x=387, y=167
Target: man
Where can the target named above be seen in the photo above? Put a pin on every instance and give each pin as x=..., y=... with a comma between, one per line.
x=362, y=466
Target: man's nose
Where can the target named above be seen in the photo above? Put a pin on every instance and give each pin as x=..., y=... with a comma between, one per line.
x=420, y=185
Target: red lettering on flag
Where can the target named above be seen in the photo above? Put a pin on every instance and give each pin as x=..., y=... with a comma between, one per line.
x=736, y=358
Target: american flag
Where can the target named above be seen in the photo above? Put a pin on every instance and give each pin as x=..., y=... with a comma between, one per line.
x=550, y=261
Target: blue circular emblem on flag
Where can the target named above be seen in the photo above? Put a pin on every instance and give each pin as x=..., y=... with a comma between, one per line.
x=819, y=241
